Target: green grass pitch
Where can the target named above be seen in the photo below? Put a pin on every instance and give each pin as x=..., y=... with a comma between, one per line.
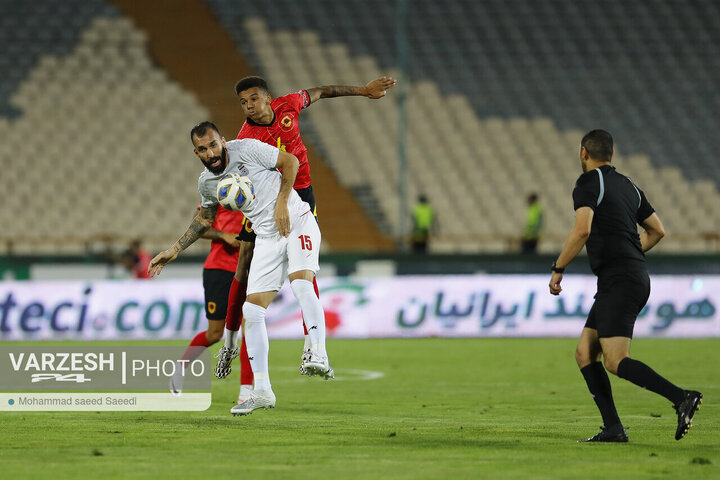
x=443, y=408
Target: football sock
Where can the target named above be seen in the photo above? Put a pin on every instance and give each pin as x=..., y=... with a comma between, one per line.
x=645, y=377
x=231, y=338
x=599, y=385
x=305, y=331
x=245, y=391
x=236, y=298
x=233, y=319
x=258, y=346
x=315, y=287
x=196, y=346
x=313, y=314
x=246, y=374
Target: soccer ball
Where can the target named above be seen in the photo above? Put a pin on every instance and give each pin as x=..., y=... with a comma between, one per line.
x=235, y=192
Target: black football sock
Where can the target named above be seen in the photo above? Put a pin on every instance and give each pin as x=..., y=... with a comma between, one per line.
x=645, y=377
x=599, y=385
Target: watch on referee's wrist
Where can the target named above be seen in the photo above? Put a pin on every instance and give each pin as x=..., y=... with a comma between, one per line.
x=556, y=269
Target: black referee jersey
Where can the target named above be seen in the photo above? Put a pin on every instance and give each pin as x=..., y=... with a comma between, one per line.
x=619, y=206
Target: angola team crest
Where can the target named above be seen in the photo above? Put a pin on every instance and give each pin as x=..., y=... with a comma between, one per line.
x=287, y=121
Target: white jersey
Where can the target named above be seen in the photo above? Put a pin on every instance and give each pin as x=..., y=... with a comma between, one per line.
x=256, y=160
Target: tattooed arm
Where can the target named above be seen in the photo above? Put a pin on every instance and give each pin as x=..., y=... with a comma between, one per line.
x=200, y=224
x=375, y=89
x=211, y=234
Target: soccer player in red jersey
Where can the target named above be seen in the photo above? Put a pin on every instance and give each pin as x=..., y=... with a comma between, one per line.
x=227, y=233
x=275, y=121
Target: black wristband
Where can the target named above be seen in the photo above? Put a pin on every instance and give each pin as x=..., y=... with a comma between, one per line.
x=556, y=269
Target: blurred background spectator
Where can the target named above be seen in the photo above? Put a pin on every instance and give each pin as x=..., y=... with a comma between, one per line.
x=423, y=223
x=136, y=259
x=533, y=225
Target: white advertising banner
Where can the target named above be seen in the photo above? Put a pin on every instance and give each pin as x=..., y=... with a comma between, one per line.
x=420, y=306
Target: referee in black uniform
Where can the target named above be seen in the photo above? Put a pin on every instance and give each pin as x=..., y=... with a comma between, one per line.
x=608, y=207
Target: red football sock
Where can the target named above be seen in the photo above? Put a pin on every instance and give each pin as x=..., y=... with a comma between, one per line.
x=236, y=298
x=193, y=351
x=246, y=373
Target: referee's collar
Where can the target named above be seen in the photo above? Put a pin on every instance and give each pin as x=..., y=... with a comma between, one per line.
x=602, y=166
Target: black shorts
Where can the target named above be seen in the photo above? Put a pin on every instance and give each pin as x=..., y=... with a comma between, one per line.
x=247, y=234
x=217, y=288
x=307, y=196
x=618, y=301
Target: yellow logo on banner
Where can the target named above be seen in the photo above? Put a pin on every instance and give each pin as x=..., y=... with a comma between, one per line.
x=211, y=307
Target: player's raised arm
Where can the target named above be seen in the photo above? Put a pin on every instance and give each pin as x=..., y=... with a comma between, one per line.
x=375, y=89
x=289, y=165
x=200, y=224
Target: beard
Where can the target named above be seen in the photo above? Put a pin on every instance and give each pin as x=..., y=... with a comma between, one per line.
x=223, y=157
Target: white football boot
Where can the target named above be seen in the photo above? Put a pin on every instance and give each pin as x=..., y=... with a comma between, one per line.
x=318, y=365
x=258, y=399
x=244, y=394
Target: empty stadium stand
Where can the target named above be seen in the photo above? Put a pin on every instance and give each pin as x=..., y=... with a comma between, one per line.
x=99, y=96
x=96, y=142
x=500, y=93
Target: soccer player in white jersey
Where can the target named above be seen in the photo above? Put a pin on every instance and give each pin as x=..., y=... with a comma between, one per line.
x=288, y=242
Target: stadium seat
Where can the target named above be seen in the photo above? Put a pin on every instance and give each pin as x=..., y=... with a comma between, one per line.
x=499, y=94
x=112, y=129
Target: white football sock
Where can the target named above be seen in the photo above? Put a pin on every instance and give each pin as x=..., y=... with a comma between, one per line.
x=245, y=391
x=308, y=344
x=258, y=347
x=313, y=314
x=231, y=338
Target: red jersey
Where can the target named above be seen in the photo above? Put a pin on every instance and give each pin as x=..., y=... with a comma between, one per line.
x=222, y=256
x=140, y=267
x=284, y=132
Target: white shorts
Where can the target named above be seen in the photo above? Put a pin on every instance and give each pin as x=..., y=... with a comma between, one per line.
x=276, y=257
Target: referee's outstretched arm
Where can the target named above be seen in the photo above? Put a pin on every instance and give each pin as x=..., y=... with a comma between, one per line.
x=654, y=231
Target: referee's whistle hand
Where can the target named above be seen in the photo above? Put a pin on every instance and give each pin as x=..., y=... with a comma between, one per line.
x=555, y=280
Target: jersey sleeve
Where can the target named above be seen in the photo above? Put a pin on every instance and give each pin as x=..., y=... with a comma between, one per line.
x=259, y=153
x=645, y=209
x=208, y=197
x=587, y=190
x=298, y=100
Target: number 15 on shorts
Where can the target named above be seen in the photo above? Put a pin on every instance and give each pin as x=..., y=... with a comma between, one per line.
x=305, y=242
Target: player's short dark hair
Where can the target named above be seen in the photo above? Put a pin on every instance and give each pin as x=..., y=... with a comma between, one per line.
x=201, y=128
x=250, y=82
x=599, y=145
